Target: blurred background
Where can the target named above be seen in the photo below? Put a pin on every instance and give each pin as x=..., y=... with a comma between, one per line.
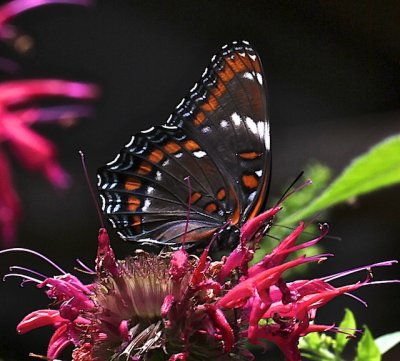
x=333, y=73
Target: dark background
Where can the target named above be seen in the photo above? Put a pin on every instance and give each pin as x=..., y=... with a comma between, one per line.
x=333, y=75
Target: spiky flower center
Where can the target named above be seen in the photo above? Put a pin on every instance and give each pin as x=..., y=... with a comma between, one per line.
x=127, y=314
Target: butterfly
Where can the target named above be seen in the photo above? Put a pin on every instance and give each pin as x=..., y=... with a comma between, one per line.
x=219, y=137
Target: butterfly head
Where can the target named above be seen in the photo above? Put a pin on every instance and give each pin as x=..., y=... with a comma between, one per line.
x=228, y=238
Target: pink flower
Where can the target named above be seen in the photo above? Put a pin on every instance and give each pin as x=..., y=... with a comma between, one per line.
x=17, y=116
x=11, y=9
x=175, y=306
x=9, y=202
x=20, y=110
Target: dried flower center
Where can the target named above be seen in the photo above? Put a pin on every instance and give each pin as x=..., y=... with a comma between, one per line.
x=128, y=306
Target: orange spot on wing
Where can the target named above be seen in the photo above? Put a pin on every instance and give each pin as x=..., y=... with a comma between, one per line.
x=199, y=118
x=132, y=184
x=226, y=74
x=133, y=203
x=144, y=168
x=260, y=200
x=250, y=181
x=211, y=104
x=219, y=89
x=172, y=147
x=246, y=61
x=137, y=224
x=251, y=64
x=191, y=145
x=211, y=208
x=221, y=194
x=235, y=218
x=249, y=155
x=236, y=64
x=195, y=197
x=156, y=156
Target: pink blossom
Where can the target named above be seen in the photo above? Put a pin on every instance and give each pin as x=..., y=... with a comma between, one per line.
x=11, y=9
x=178, y=307
x=34, y=151
x=10, y=209
x=19, y=111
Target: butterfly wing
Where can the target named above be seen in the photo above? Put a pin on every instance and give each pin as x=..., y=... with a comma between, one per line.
x=218, y=137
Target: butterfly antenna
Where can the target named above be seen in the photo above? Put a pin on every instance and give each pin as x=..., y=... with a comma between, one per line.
x=336, y=238
x=273, y=237
x=313, y=220
x=96, y=203
x=288, y=191
x=187, y=179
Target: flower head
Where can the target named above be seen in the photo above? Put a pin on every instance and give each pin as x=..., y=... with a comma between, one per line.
x=19, y=112
x=175, y=306
x=11, y=9
x=22, y=106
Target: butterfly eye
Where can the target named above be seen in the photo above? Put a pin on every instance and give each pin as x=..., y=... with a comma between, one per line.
x=228, y=238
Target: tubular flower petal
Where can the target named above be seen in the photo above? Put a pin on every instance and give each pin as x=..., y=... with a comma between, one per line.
x=38, y=319
x=179, y=264
x=59, y=341
x=34, y=151
x=13, y=8
x=19, y=112
x=9, y=203
x=174, y=306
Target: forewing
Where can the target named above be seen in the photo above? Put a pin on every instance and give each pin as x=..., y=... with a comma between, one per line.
x=226, y=113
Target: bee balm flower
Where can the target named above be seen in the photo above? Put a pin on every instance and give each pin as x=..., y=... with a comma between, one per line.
x=20, y=111
x=36, y=153
x=174, y=306
x=11, y=9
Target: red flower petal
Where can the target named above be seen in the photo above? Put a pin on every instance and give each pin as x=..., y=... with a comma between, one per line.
x=38, y=319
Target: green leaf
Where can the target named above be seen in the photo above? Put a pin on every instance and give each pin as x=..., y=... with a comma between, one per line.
x=320, y=175
x=348, y=324
x=311, y=341
x=312, y=357
x=388, y=341
x=316, y=346
x=367, y=350
x=378, y=168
